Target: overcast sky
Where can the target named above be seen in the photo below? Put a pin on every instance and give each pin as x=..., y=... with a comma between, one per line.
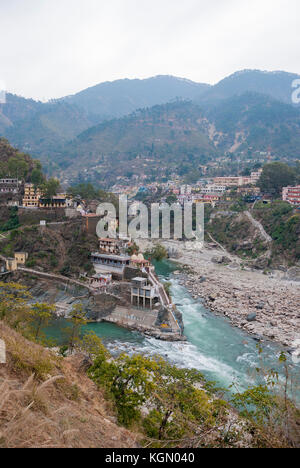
x=52, y=48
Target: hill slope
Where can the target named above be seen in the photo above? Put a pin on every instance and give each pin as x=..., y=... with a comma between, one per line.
x=121, y=97
x=256, y=121
x=277, y=84
x=152, y=141
x=50, y=402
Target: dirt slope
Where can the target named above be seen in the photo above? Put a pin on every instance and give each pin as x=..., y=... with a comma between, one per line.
x=49, y=402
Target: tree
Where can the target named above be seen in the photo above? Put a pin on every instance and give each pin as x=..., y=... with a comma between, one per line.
x=157, y=253
x=179, y=406
x=50, y=188
x=14, y=307
x=275, y=176
x=129, y=380
x=37, y=177
x=40, y=314
x=77, y=319
x=93, y=346
x=17, y=167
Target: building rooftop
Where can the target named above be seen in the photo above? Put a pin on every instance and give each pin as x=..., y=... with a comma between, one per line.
x=111, y=257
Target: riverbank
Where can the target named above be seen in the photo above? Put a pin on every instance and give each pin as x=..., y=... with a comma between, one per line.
x=263, y=305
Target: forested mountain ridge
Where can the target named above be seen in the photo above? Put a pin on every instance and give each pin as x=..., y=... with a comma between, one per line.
x=277, y=85
x=88, y=131
x=256, y=121
x=122, y=97
x=150, y=142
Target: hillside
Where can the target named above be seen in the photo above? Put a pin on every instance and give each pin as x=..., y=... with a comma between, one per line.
x=277, y=84
x=44, y=131
x=236, y=229
x=249, y=109
x=121, y=97
x=47, y=401
x=181, y=136
x=15, y=163
x=258, y=122
x=152, y=141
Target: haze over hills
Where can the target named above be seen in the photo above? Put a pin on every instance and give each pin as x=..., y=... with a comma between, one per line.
x=250, y=108
x=277, y=84
x=121, y=97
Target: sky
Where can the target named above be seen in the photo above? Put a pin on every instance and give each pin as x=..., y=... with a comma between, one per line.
x=53, y=48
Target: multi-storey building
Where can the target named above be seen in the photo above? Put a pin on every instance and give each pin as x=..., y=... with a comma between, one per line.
x=9, y=185
x=143, y=295
x=291, y=195
x=32, y=196
x=213, y=189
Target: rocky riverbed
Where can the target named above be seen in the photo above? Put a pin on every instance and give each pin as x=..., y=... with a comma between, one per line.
x=264, y=305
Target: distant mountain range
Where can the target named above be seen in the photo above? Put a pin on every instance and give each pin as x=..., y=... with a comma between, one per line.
x=250, y=108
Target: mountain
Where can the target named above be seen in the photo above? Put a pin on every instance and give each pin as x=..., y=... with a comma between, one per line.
x=256, y=121
x=45, y=130
x=249, y=109
x=277, y=84
x=121, y=97
x=151, y=142
x=15, y=109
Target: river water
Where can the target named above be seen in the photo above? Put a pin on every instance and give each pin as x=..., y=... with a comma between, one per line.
x=224, y=354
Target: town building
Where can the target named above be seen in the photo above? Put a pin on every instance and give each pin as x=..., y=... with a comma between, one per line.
x=107, y=245
x=100, y=280
x=21, y=257
x=58, y=201
x=9, y=185
x=291, y=195
x=114, y=246
x=213, y=189
x=143, y=295
x=114, y=264
x=185, y=190
x=32, y=196
x=11, y=264
x=138, y=261
x=238, y=181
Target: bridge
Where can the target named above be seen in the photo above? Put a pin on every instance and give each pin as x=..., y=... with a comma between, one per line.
x=165, y=301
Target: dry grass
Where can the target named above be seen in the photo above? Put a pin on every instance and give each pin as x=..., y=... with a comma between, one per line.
x=46, y=401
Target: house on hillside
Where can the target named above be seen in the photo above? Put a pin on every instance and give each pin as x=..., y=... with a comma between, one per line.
x=291, y=195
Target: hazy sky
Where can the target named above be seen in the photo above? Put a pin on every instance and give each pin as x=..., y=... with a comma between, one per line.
x=51, y=48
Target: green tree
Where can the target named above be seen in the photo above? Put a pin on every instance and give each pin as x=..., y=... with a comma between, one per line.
x=157, y=253
x=40, y=314
x=180, y=407
x=14, y=307
x=275, y=176
x=18, y=167
x=93, y=346
x=77, y=319
x=50, y=188
x=37, y=177
x=129, y=380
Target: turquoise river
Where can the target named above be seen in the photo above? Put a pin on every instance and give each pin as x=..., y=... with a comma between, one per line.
x=224, y=354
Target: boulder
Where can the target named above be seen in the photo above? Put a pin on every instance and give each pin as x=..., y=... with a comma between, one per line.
x=251, y=317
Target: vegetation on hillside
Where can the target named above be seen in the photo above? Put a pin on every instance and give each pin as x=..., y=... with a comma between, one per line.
x=65, y=250
x=16, y=164
x=167, y=406
x=277, y=175
x=282, y=223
